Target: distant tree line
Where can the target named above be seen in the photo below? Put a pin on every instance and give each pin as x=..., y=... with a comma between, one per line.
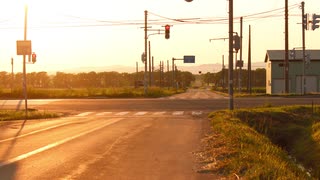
x=220, y=79
x=92, y=79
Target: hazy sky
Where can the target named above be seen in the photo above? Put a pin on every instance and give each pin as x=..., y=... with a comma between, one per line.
x=78, y=33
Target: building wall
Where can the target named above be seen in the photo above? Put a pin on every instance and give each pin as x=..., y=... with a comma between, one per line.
x=312, y=75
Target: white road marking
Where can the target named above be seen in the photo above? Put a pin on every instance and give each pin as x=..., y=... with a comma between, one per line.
x=49, y=146
x=84, y=114
x=159, y=113
x=34, y=132
x=104, y=113
x=122, y=113
x=178, y=113
x=140, y=113
x=196, y=113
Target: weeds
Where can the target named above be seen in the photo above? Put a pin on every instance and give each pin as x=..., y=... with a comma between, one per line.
x=257, y=143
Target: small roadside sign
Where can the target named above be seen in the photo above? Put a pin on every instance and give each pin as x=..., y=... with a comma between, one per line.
x=24, y=47
x=189, y=59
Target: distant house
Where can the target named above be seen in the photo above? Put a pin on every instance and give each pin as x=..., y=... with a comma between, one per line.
x=275, y=82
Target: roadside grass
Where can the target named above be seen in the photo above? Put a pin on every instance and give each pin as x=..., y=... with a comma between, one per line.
x=123, y=92
x=265, y=143
x=7, y=115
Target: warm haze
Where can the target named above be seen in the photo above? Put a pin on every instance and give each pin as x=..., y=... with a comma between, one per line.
x=81, y=33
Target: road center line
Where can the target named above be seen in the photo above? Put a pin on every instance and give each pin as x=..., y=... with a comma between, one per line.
x=49, y=146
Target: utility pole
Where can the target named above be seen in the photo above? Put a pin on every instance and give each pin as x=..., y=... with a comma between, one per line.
x=173, y=72
x=149, y=63
x=152, y=69
x=145, y=51
x=231, y=55
x=223, y=75
x=12, y=76
x=303, y=49
x=249, y=62
x=240, y=68
x=286, y=59
x=24, y=64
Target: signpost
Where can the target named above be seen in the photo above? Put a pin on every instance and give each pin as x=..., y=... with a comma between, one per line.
x=186, y=59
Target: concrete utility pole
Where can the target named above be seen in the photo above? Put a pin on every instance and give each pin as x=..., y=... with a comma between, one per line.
x=12, y=76
x=303, y=49
x=240, y=68
x=145, y=51
x=286, y=59
x=249, y=62
x=24, y=64
x=149, y=63
x=231, y=54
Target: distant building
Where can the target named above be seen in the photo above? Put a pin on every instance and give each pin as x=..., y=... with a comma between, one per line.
x=275, y=82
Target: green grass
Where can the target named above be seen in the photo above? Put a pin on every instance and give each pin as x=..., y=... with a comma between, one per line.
x=123, y=92
x=7, y=115
x=259, y=143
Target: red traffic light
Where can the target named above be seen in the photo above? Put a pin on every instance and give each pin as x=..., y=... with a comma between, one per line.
x=34, y=57
x=167, y=31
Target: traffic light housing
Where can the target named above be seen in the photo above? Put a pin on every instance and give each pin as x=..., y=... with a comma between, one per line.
x=306, y=21
x=34, y=57
x=167, y=31
x=315, y=21
x=236, y=43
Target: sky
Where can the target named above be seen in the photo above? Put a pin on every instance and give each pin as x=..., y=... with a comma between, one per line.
x=68, y=34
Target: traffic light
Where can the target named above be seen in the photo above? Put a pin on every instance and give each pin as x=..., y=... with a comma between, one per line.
x=236, y=43
x=315, y=21
x=306, y=21
x=167, y=31
x=34, y=57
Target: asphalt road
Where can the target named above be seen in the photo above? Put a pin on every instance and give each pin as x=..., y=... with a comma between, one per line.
x=115, y=138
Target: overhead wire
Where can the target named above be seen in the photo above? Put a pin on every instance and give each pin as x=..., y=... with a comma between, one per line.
x=91, y=22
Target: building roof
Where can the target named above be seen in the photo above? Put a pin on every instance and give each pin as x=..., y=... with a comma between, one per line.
x=278, y=55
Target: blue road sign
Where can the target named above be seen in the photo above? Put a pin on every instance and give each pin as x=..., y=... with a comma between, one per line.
x=189, y=59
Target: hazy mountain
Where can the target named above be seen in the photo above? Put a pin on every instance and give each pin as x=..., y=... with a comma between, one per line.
x=204, y=68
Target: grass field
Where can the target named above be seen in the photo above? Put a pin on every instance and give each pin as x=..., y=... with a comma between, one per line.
x=125, y=92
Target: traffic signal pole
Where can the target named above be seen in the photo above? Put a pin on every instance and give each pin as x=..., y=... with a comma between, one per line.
x=230, y=55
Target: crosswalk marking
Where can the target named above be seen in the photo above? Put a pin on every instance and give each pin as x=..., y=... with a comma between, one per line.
x=140, y=113
x=84, y=114
x=178, y=113
x=159, y=113
x=121, y=113
x=196, y=113
x=104, y=113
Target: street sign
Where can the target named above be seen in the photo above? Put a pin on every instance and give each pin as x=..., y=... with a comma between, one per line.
x=189, y=59
x=24, y=47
